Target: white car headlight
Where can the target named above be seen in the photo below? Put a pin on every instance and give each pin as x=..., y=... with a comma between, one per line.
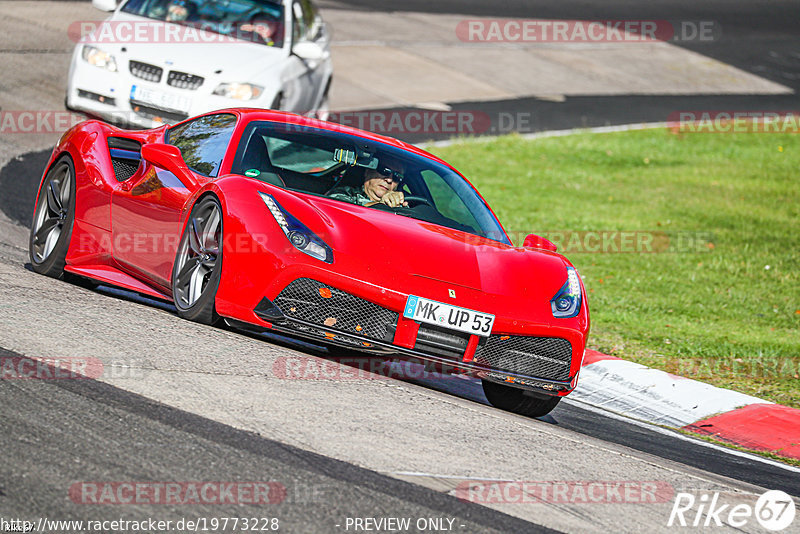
x=98, y=58
x=239, y=91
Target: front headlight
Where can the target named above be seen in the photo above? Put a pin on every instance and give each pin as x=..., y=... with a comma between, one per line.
x=98, y=58
x=239, y=91
x=567, y=302
x=297, y=233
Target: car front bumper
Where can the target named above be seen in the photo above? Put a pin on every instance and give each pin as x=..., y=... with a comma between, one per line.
x=108, y=95
x=323, y=313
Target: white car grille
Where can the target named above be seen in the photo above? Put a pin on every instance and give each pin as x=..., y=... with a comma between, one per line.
x=145, y=71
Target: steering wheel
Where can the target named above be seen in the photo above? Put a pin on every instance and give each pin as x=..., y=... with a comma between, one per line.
x=417, y=200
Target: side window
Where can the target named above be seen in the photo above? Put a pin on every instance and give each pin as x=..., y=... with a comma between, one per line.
x=203, y=142
x=299, y=28
x=298, y=157
x=304, y=21
x=447, y=201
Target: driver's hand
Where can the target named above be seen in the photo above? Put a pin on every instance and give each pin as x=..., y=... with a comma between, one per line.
x=260, y=29
x=394, y=199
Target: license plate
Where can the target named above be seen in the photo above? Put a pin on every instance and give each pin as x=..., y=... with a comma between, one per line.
x=448, y=316
x=161, y=100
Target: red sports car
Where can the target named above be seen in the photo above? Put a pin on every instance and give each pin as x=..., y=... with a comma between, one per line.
x=268, y=220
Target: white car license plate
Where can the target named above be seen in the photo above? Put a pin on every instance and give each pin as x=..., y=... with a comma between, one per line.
x=448, y=316
x=162, y=100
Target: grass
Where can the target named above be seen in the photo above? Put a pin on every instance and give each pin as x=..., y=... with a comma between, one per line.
x=724, y=305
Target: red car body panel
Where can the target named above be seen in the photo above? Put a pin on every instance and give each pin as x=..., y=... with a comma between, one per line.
x=127, y=233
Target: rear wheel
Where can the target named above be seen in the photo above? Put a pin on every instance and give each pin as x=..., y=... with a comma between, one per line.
x=52, y=221
x=198, y=263
x=518, y=401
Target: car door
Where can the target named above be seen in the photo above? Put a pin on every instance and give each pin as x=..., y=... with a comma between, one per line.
x=304, y=76
x=316, y=31
x=146, y=215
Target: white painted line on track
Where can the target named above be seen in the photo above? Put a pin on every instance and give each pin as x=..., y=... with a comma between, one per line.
x=548, y=133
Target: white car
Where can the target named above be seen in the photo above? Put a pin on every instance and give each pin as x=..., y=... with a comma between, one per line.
x=161, y=61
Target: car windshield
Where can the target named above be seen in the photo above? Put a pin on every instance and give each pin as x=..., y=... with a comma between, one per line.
x=257, y=21
x=335, y=164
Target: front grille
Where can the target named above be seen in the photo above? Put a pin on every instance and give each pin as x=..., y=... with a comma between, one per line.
x=145, y=71
x=323, y=305
x=442, y=342
x=541, y=357
x=182, y=80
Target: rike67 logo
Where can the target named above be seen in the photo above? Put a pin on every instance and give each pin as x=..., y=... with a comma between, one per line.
x=774, y=511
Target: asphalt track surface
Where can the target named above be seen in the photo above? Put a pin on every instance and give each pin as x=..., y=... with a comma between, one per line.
x=55, y=433
x=761, y=37
x=107, y=433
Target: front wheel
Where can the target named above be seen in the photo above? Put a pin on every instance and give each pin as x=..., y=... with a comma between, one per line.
x=278, y=102
x=517, y=400
x=52, y=220
x=198, y=263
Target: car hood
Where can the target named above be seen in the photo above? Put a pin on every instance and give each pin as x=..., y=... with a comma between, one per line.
x=203, y=53
x=428, y=260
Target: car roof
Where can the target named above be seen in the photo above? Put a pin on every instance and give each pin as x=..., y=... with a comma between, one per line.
x=251, y=114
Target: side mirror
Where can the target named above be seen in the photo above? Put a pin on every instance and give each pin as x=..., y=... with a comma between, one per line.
x=105, y=5
x=169, y=157
x=308, y=50
x=535, y=241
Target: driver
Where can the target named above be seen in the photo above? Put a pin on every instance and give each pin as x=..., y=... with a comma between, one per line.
x=379, y=187
x=262, y=29
x=180, y=10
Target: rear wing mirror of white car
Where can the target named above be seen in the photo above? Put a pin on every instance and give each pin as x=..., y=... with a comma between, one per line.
x=105, y=5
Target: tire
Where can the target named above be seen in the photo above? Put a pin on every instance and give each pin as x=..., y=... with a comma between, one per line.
x=277, y=102
x=518, y=401
x=323, y=111
x=53, y=218
x=198, y=263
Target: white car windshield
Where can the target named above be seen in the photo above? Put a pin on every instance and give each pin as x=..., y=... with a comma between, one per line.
x=258, y=21
x=335, y=165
